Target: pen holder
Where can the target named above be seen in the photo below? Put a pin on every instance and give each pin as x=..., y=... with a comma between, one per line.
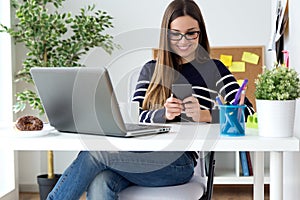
x=232, y=120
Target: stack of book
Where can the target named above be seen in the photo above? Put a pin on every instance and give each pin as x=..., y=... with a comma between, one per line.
x=246, y=164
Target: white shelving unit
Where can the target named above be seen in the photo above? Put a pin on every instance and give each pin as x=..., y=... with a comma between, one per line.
x=228, y=169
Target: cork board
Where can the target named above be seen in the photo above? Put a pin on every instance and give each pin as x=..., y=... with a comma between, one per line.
x=250, y=70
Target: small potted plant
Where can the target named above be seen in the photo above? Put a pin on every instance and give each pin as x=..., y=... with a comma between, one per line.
x=54, y=39
x=276, y=92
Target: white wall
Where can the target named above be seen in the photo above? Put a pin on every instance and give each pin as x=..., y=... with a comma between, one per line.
x=8, y=172
x=292, y=160
x=229, y=23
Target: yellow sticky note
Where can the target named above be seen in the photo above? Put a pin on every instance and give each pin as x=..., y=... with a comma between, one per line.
x=226, y=60
x=237, y=67
x=250, y=58
x=240, y=81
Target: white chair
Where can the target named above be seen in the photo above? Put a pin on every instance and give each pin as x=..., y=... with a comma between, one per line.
x=193, y=190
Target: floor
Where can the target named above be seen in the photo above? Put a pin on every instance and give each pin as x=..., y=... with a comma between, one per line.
x=221, y=192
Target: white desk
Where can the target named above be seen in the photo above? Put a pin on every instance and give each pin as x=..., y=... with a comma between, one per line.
x=203, y=137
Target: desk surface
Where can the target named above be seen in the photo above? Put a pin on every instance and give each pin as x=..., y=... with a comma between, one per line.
x=182, y=137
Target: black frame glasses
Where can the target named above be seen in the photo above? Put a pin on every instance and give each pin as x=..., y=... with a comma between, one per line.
x=176, y=36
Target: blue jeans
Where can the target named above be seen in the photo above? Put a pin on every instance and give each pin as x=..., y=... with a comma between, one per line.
x=104, y=174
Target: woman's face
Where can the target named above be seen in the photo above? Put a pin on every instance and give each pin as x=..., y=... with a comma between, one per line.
x=184, y=37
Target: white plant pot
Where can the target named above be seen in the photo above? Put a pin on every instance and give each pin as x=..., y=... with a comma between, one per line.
x=275, y=118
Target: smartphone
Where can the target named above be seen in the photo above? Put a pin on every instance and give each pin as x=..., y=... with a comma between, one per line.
x=182, y=91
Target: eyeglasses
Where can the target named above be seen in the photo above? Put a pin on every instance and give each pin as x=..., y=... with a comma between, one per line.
x=175, y=36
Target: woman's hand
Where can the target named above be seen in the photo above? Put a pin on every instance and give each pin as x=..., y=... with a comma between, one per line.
x=173, y=107
x=192, y=108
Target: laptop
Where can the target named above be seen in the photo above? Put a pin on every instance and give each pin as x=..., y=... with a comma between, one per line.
x=82, y=100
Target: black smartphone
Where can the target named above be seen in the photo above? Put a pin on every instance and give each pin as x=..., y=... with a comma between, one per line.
x=182, y=91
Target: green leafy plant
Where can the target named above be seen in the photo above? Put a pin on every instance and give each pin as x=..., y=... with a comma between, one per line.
x=278, y=83
x=55, y=39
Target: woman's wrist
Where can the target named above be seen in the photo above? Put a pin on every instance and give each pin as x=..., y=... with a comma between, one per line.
x=205, y=116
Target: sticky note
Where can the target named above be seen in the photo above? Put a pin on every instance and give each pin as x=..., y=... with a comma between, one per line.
x=250, y=58
x=240, y=81
x=237, y=67
x=226, y=60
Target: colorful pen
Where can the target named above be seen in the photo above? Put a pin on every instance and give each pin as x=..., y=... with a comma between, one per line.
x=242, y=101
x=218, y=100
x=239, y=92
x=242, y=98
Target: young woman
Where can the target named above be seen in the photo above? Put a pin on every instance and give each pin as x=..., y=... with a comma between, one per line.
x=183, y=57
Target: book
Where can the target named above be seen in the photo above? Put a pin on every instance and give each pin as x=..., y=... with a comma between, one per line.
x=249, y=163
x=244, y=163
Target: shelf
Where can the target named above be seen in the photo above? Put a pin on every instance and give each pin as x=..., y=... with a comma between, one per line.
x=228, y=176
x=233, y=180
x=228, y=169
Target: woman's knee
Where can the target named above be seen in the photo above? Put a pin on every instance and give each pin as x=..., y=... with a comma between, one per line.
x=106, y=185
x=101, y=181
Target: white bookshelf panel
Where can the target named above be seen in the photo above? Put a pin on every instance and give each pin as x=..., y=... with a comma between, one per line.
x=228, y=169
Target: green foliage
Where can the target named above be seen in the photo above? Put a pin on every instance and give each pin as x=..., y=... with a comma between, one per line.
x=55, y=39
x=279, y=83
x=30, y=97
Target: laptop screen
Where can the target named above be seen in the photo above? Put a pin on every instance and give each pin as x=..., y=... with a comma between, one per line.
x=79, y=99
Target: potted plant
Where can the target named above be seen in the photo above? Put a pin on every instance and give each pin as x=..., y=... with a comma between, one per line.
x=56, y=39
x=276, y=92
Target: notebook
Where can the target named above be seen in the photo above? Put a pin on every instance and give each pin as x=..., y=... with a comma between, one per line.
x=82, y=100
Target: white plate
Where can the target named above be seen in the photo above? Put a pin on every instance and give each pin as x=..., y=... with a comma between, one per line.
x=45, y=131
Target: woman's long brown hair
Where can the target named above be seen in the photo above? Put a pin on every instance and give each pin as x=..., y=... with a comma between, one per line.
x=164, y=73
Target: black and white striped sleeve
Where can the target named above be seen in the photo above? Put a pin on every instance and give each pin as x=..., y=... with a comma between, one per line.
x=147, y=116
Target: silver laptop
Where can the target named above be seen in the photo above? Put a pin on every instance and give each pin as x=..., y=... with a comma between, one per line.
x=82, y=100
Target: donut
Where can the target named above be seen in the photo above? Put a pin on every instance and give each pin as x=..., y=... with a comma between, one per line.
x=29, y=123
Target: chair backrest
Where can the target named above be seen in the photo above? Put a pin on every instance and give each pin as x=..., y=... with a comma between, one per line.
x=210, y=177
